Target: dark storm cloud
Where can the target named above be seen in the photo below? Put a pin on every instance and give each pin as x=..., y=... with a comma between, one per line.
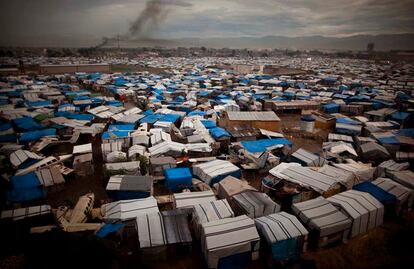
x=89, y=20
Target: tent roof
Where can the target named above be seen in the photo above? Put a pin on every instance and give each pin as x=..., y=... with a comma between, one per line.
x=129, y=209
x=280, y=226
x=256, y=204
x=321, y=215
x=190, y=199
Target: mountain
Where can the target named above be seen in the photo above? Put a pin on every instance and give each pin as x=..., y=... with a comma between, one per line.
x=356, y=42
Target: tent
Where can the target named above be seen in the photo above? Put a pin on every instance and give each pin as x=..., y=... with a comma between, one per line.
x=226, y=238
x=364, y=210
x=162, y=228
x=391, y=165
x=304, y=176
x=230, y=186
x=178, y=178
x=123, y=187
x=26, y=212
x=213, y=171
x=128, y=209
x=379, y=194
x=25, y=188
x=322, y=218
x=362, y=171
x=345, y=178
x=129, y=168
x=405, y=177
x=404, y=195
x=210, y=211
x=35, y=135
x=261, y=145
x=278, y=229
x=255, y=204
x=372, y=151
x=24, y=158
x=307, y=158
x=190, y=199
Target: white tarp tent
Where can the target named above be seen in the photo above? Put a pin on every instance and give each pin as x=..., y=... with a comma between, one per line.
x=343, y=177
x=230, y=186
x=162, y=228
x=280, y=226
x=227, y=237
x=401, y=193
x=308, y=158
x=128, y=209
x=362, y=171
x=391, y=165
x=304, y=176
x=256, y=204
x=405, y=177
x=209, y=170
x=320, y=215
x=365, y=211
x=210, y=211
x=20, y=156
x=190, y=199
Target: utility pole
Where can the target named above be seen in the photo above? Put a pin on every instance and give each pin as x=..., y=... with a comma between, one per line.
x=117, y=37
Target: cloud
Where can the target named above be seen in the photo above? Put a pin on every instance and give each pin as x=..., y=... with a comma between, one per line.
x=23, y=19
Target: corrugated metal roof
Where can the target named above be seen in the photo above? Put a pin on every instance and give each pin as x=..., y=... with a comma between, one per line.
x=253, y=115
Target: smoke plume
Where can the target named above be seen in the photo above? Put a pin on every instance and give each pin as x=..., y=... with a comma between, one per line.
x=149, y=18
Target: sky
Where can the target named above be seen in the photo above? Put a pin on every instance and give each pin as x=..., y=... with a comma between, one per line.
x=85, y=22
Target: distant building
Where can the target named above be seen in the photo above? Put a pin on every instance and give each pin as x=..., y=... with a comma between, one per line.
x=267, y=120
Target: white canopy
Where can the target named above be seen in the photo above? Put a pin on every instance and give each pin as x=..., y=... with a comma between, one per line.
x=319, y=214
x=227, y=237
x=280, y=226
x=366, y=211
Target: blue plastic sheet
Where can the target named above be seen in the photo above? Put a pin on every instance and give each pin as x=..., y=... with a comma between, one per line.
x=262, y=144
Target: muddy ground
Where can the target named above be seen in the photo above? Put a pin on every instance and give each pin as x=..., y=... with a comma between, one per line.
x=389, y=246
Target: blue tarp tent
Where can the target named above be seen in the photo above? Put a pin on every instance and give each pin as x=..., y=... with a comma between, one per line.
x=8, y=138
x=331, y=108
x=382, y=196
x=5, y=127
x=262, y=144
x=178, y=178
x=35, y=135
x=27, y=124
x=121, y=127
x=115, y=134
x=197, y=113
x=38, y=103
x=219, y=133
x=347, y=121
x=153, y=118
x=74, y=116
x=108, y=229
x=208, y=124
x=399, y=116
x=170, y=117
x=25, y=188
